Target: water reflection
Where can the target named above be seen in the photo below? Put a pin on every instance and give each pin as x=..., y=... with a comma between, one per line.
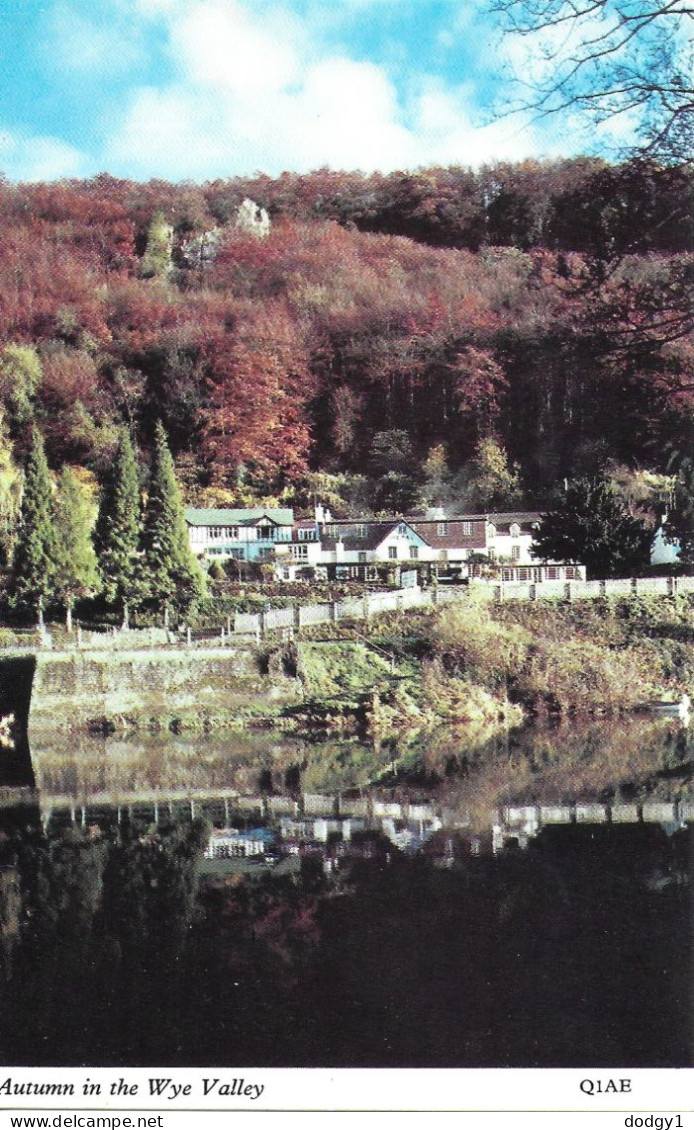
x=354, y=913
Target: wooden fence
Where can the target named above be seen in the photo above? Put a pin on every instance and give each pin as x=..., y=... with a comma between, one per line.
x=288, y=621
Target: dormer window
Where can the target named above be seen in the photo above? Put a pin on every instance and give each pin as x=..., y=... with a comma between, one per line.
x=515, y=530
x=442, y=529
x=491, y=530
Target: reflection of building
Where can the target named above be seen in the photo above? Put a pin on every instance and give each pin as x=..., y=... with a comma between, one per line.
x=318, y=829
x=230, y=843
x=410, y=835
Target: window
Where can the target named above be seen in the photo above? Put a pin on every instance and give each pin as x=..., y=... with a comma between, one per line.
x=515, y=531
x=467, y=529
x=414, y=551
x=237, y=554
x=359, y=531
x=442, y=529
x=553, y=573
x=361, y=557
x=300, y=552
x=266, y=533
x=524, y=574
x=308, y=535
x=331, y=532
x=392, y=552
x=515, y=552
x=491, y=554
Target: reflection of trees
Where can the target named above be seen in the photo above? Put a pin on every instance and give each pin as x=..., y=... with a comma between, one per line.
x=105, y=921
x=610, y=759
x=123, y=960
x=82, y=767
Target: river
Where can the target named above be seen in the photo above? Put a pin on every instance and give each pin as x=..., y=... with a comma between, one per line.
x=257, y=900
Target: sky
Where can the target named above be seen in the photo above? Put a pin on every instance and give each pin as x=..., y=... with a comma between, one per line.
x=199, y=89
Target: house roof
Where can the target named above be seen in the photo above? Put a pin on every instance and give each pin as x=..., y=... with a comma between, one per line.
x=241, y=517
x=374, y=533
x=522, y=518
x=454, y=537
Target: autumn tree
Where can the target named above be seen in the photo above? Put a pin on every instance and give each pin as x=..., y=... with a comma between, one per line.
x=489, y=480
x=117, y=530
x=76, y=570
x=437, y=484
x=35, y=555
x=173, y=578
x=592, y=526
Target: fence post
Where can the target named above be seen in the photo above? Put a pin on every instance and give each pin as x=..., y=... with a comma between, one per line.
x=635, y=586
x=603, y=588
x=221, y=636
x=261, y=625
x=188, y=637
x=532, y=592
x=297, y=617
x=79, y=636
x=367, y=606
x=332, y=612
x=567, y=591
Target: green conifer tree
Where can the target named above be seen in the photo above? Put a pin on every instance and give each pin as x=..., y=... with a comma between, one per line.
x=117, y=531
x=156, y=261
x=77, y=573
x=173, y=577
x=34, y=562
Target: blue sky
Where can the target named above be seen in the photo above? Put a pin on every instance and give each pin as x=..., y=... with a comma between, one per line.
x=197, y=89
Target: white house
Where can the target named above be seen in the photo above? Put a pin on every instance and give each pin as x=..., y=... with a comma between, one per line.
x=255, y=534
x=358, y=550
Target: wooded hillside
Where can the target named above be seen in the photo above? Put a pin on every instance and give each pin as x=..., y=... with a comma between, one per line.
x=437, y=337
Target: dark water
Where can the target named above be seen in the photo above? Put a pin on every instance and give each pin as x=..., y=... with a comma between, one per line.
x=121, y=946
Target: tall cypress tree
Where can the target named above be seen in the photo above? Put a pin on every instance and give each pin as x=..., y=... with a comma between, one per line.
x=173, y=576
x=117, y=531
x=34, y=563
x=77, y=574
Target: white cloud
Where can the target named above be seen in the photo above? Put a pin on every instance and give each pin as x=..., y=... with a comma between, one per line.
x=24, y=158
x=220, y=46
x=257, y=90
x=106, y=44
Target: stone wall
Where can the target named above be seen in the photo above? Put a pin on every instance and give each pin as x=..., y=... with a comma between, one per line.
x=168, y=688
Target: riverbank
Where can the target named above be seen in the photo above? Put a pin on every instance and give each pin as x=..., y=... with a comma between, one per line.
x=481, y=666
